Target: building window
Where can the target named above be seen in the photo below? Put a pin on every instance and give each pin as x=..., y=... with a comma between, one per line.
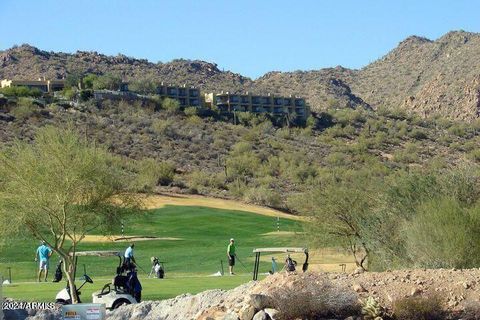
x=194, y=93
x=172, y=91
x=299, y=102
x=256, y=100
x=194, y=102
x=265, y=100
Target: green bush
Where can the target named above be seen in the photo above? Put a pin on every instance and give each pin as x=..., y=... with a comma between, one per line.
x=263, y=196
x=24, y=109
x=452, y=238
x=171, y=106
x=152, y=173
x=475, y=155
x=201, y=180
x=21, y=92
x=163, y=127
x=418, y=134
x=419, y=308
x=191, y=111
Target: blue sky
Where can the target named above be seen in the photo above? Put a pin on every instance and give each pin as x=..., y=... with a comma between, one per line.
x=250, y=37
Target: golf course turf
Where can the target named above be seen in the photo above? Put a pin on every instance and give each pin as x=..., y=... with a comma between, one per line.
x=192, y=244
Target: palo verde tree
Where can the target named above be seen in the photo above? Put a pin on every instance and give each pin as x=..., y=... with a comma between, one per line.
x=58, y=189
x=342, y=213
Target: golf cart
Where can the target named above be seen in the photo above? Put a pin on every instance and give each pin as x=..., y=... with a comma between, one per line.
x=114, y=294
x=259, y=251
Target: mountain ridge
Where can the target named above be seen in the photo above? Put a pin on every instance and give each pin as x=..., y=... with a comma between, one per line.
x=429, y=77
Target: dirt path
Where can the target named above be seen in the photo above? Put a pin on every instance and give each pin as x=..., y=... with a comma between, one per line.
x=159, y=201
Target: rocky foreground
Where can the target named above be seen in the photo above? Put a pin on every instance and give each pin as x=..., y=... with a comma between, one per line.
x=316, y=296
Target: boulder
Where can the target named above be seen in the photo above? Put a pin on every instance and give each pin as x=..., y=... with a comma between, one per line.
x=260, y=315
x=274, y=314
x=260, y=301
x=247, y=312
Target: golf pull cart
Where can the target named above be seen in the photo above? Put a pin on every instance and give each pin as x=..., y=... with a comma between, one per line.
x=114, y=294
x=259, y=251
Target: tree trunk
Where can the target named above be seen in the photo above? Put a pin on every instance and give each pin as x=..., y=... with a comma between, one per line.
x=69, y=269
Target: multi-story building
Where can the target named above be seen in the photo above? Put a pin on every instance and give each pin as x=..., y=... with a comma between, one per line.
x=187, y=96
x=41, y=84
x=274, y=105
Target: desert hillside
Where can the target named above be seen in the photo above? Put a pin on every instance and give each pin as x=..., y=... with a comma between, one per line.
x=440, y=77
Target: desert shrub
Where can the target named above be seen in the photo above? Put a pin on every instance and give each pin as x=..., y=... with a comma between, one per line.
x=24, y=109
x=336, y=159
x=191, y=111
x=452, y=237
x=475, y=155
x=201, y=180
x=69, y=93
x=315, y=298
x=245, y=118
x=458, y=130
x=163, y=127
x=372, y=310
x=195, y=120
x=21, y=92
x=284, y=133
x=418, y=134
x=171, y=106
x=312, y=122
x=243, y=165
x=238, y=187
x=419, y=308
x=263, y=196
x=152, y=173
x=408, y=155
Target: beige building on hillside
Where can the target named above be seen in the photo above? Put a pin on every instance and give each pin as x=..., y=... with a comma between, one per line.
x=274, y=105
x=187, y=96
x=42, y=85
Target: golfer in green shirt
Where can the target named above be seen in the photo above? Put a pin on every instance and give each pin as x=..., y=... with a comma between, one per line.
x=231, y=255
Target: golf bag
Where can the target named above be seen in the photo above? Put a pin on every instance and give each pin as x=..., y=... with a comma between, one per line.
x=157, y=268
x=58, y=272
x=133, y=285
x=290, y=264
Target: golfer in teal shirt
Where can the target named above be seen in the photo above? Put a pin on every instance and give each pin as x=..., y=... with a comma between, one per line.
x=43, y=254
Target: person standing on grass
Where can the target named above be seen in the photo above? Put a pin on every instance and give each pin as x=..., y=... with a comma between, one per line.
x=43, y=255
x=129, y=259
x=231, y=255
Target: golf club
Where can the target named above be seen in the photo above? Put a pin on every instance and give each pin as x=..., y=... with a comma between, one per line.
x=141, y=268
x=243, y=265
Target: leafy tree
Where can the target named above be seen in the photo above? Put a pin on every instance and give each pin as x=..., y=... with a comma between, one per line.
x=73, y=80
x=343, y=213
x=89, y=80
x=143, y=86
x=59, y=189
x=107, y=81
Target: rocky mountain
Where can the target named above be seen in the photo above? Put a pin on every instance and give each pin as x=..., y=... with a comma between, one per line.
x=440, y=77
x=429, y=77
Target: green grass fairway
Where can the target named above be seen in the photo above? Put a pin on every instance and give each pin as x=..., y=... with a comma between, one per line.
x=203, y=233
x=153, y=289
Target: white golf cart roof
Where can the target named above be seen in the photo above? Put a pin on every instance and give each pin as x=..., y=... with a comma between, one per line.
x=281, y=250
x=97, y=254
